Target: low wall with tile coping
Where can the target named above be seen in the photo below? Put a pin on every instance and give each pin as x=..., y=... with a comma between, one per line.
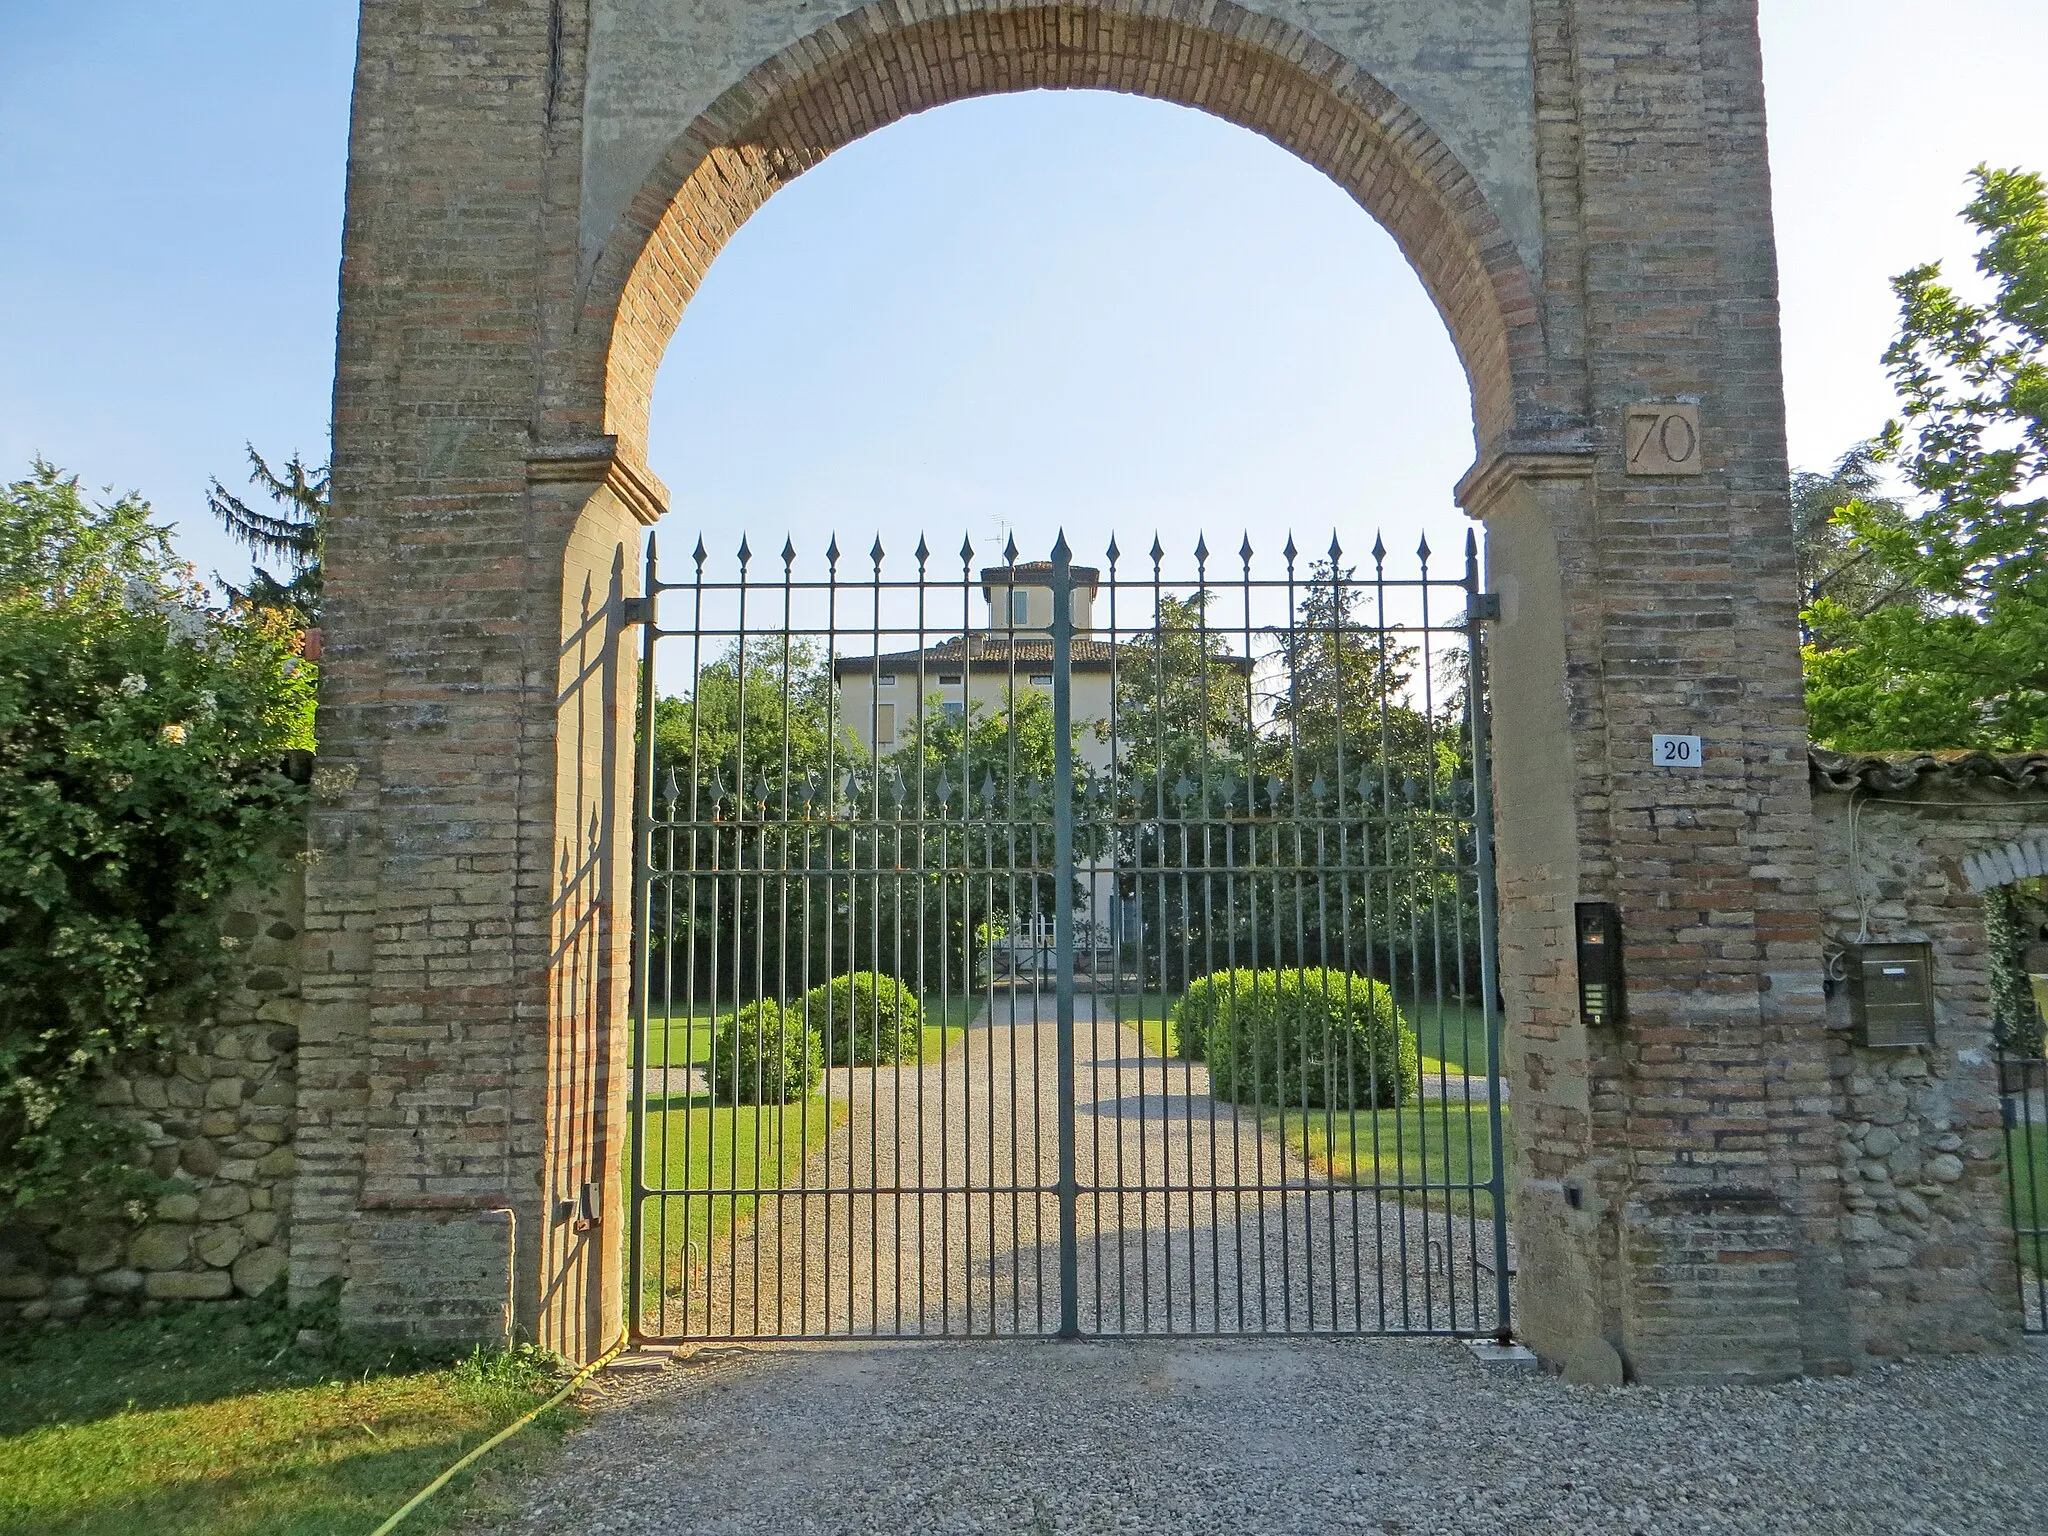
x=1927, y=1247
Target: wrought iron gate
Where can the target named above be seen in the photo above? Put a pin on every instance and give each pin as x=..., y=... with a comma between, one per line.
x=1060, y=948
x=2023, y=1106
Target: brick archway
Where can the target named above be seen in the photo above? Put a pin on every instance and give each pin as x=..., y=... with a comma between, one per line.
x=535, y=189
x=892, y=59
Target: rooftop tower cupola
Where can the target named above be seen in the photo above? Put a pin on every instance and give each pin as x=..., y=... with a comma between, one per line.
x=1020, y=597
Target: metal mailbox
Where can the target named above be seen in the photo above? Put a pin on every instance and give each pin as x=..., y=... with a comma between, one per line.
x=1891, y=993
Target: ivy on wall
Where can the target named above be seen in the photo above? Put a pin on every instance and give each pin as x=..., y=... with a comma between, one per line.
x=2016, y=1023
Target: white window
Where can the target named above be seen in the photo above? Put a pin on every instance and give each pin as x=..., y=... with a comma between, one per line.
x=954, y=709
x=1020, y=605
x=949, y=679
x=885, y=723
x=1041, y=679
x=886, y=680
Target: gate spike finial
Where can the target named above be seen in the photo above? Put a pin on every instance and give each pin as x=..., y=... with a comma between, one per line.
x=1061, y=554
x=1471, y=545
x=1336, y=549
x=832, y=552
x=1422, y=550
x=699, y=554
x=1158, y=554
x=966, y=551
x=1244, y=551
x=1379, y=550
x=876, y=553
x=1111, y=552
x=1290, y=551
x=923, y=552
x=788, y=552
x=1010, y=550
x=1201, y=549
x=746, y=554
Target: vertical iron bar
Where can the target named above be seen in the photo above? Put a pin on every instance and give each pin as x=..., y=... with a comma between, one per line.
x=1063, y=920
x=643, y=945
x=1482, y=837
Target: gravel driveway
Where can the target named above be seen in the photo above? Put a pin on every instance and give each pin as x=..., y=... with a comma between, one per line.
x=1309, y=1435
x=929, y=1211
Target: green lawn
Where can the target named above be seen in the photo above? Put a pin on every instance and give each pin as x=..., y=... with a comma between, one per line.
x=206, y=1420
x=737, y=1147
x=690, y=1144
x=1419, y=1153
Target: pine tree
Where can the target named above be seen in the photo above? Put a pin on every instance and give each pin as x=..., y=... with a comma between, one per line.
x=292, y=534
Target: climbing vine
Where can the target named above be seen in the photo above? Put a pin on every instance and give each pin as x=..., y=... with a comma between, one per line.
x=2016, y=1022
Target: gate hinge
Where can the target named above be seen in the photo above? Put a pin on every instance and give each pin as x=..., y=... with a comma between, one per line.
x=636, y=610
x=1483, y=606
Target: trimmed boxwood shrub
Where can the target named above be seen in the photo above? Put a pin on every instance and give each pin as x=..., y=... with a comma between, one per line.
x=1194, y=1016
x=763, y=1055
x=1324, y=1039
x=865, y=1018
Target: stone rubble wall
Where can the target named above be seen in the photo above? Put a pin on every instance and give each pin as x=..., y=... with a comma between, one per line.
x=218, y=1123
x=1927, y=1248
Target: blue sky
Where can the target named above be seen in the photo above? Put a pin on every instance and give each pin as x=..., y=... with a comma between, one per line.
x=1010, y=314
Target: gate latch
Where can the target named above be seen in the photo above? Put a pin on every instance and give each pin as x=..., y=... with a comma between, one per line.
x=1483, y=606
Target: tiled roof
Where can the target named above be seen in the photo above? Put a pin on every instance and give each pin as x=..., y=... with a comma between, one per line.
x=1880, y=773
x=1037, y=573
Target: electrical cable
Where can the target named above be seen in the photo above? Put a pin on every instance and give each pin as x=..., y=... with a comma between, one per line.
x=413, y=1503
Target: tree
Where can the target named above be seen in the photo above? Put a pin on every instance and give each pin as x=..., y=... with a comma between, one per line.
x=1832, y=564
x=739, y=763
x=140, y=744
x=1967, y=666
x=292, y=534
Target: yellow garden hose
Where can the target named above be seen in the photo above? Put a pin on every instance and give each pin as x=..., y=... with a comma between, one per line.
x=413, y=1503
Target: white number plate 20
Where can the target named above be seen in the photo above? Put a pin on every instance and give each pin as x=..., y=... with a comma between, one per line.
x=1675, y=751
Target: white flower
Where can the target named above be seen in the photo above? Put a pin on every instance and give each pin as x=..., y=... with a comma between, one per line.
x=134, y=685
x=187, y=624
x=174, y=734
x=208, y=703
x=139, y=596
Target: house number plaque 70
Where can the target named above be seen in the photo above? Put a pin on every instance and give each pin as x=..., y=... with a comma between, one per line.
x=1664, y=440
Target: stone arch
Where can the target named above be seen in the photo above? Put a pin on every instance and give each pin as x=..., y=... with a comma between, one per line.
x=2024, y=858
x=898, y=57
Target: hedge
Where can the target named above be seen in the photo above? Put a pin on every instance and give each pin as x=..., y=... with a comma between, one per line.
x=866, y=1018
x=763, y=1055
x=1194, y=1016
x=1310, y=1038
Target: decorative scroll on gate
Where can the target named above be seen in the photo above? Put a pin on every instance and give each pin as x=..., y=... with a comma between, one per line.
x=1037, y=947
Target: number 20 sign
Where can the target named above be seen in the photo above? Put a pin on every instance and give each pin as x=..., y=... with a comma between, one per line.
x=1675, y=751
x=1664, y=440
